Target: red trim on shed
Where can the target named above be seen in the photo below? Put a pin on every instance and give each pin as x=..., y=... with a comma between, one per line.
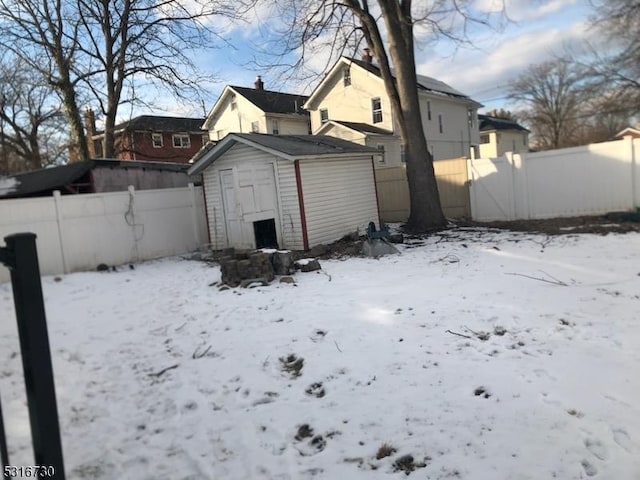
x=303, y=217
x=375, y=185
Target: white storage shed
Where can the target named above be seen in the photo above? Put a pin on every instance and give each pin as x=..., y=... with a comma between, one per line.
x=286, y=191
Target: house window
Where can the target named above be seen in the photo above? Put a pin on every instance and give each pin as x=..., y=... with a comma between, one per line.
x=275, y=128
x=234, y=105
x=440, y=123
x=471, y=118
x=513, y=146
x=181, y=141
x=485, y=139
x=156, y=139
x=381, y=157
x=376, y=109
x=429, y=110
x=255, y=127
x=346, y=76
x=324, y=115
x=403, y=158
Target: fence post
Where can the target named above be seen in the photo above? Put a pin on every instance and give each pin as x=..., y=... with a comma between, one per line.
x=21, y=256
x=57, y=198
x=194, y=214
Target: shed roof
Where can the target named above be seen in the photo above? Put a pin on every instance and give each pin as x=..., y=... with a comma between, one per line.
x=487, y=123
x=290, y=147
x=57, y=178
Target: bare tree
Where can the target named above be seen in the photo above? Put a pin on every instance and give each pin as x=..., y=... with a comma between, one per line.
x=616, y=61
x=30, y=129
x=502, y=113
x=552, y=93
x=387, y=27
x=103, y=49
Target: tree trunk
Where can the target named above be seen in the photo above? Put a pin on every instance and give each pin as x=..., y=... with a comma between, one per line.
x=426, y=211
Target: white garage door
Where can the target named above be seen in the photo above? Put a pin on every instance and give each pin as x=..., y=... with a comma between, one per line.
x=249, y=196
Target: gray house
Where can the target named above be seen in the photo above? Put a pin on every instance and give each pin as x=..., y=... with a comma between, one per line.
x=286, y=191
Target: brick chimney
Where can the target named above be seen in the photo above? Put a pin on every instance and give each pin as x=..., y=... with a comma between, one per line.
x=259, y=84
x=366, y=55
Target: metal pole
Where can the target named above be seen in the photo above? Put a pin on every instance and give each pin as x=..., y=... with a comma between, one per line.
x=36, y=356
x=4, y=452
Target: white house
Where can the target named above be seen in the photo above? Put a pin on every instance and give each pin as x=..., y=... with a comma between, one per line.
x=286, y=191
x=500, y=135
x=351, y=103
x=244, y=110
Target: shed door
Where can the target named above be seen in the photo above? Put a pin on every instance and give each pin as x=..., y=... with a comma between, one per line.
x=249, y=196
x=229, y=202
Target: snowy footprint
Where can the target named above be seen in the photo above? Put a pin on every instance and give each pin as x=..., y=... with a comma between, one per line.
x=589, y=468
x=596, y=448
x=621, y=437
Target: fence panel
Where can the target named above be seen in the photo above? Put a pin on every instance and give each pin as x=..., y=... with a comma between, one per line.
x=589, y=180
x=451, y=176
x=78, y=232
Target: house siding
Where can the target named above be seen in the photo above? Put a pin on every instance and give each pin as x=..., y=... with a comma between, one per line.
x=288, y=126
x=457, y=135
x=353, y=103
x=503, y=141
x=330, y=185
x=238, y=120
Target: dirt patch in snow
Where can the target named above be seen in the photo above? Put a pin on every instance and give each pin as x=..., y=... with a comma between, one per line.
x=615, y=222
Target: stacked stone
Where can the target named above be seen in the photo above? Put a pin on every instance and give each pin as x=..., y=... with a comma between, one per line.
x=239, y=268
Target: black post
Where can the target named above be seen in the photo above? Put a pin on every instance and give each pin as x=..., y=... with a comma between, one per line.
x=4, y=452
x=22, y=259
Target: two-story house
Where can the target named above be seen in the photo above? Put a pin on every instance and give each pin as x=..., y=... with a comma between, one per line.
x=246, y=110
x=150, y=138
x=351, y=103
x=501, y=135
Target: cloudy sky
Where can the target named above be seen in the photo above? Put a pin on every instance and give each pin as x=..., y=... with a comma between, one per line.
x=534, y=31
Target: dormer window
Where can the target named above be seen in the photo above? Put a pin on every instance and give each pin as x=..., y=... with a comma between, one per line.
x=346, y=76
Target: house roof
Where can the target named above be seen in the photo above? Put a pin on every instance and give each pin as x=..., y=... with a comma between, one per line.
x=153, y=123
x=487, y=123
x=57, y=178
x=273, y=102
x=290, y=147
x=358, y=127
x=425, y=84
x=634, y=132
x=266, y=100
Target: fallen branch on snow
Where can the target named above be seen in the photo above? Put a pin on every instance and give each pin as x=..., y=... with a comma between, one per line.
x=163, y=371
x=458, y=334
x=553, y=281
x=197, y=354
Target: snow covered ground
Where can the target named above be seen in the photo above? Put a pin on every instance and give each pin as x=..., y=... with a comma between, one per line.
x=482, y=355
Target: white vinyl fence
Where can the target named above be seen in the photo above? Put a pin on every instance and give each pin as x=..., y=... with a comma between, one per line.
x=79, y=232
x=589, y=180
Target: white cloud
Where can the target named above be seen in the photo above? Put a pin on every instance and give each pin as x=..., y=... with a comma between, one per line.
x=485, y=75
